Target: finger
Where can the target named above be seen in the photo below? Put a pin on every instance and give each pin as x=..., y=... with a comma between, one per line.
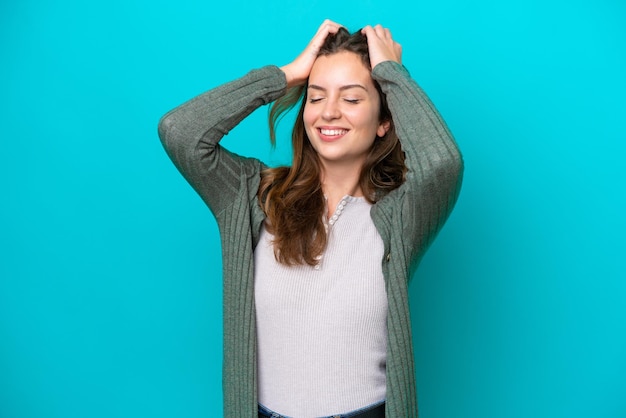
x=380, y=31
x=371, y=30
x=328, y=26
x=330, y=22
x=383, y=33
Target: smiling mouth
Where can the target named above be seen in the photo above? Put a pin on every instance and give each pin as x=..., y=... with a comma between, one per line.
x=333, y=132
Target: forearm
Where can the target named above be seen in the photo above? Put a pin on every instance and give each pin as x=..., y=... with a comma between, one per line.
x=191, y=132
x=433, y=160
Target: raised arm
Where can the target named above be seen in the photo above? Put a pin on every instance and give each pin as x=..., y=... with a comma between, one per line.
x=433, y=160
x=190, y=134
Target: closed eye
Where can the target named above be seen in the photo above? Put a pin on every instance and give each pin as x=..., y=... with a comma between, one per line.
x=315, y=99
x=353, y=101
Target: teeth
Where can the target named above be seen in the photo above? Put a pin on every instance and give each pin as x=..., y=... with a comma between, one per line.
x=333, y=132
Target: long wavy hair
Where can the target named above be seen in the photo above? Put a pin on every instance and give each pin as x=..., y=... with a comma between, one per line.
x=292, y=197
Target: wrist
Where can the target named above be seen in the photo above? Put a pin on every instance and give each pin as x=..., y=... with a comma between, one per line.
x=288, y=76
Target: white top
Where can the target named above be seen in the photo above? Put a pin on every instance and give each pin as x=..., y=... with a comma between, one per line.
x=322, y=331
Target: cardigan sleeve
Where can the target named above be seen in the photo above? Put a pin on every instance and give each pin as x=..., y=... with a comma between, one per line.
x=191, y=133
x=434, y=162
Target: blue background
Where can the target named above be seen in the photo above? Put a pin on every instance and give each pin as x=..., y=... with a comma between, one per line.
x=110, y=293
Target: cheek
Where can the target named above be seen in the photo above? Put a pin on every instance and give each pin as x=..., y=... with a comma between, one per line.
x=364, y=119
x=308, y=116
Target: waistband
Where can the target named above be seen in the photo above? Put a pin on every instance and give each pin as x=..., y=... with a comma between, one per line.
x=376, y=410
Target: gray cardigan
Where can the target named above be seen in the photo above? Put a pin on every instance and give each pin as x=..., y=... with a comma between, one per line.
x=408, y=218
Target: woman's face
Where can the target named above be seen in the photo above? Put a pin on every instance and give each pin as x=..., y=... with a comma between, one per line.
x=341, y=114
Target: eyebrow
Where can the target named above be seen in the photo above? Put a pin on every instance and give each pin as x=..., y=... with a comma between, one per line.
x=342, y=88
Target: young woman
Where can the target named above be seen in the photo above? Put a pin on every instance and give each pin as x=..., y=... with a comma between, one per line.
x=317, y=256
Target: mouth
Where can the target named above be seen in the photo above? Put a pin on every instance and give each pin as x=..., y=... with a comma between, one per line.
x=331, y=134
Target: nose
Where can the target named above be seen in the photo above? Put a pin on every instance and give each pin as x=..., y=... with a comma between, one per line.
x=331, y=110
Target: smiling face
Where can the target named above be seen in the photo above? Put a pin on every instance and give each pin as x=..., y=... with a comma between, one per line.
x=341, y=114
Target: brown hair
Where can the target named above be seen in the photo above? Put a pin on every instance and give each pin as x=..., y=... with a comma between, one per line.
x=292, y=197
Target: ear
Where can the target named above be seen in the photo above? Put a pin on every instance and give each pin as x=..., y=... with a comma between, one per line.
x=383, y=128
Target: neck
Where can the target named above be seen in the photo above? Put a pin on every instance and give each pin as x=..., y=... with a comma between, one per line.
x=339, y=181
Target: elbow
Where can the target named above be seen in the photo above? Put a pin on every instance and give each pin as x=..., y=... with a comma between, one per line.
x=454, y=175
x=449, y=175
x=457, y=166
x=449, y=165
x=165, y=128
x=172, y=134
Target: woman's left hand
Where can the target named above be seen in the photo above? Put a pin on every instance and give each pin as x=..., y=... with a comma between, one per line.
x=381, y=45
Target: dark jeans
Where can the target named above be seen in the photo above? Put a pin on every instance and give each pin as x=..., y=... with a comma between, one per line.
x=373, y=411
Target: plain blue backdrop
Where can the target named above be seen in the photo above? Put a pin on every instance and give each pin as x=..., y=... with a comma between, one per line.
x=110, y=293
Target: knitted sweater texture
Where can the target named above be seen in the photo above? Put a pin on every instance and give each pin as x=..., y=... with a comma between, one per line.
x=407, y=219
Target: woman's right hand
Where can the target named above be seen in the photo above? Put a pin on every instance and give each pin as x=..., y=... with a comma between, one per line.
x=298, y=70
